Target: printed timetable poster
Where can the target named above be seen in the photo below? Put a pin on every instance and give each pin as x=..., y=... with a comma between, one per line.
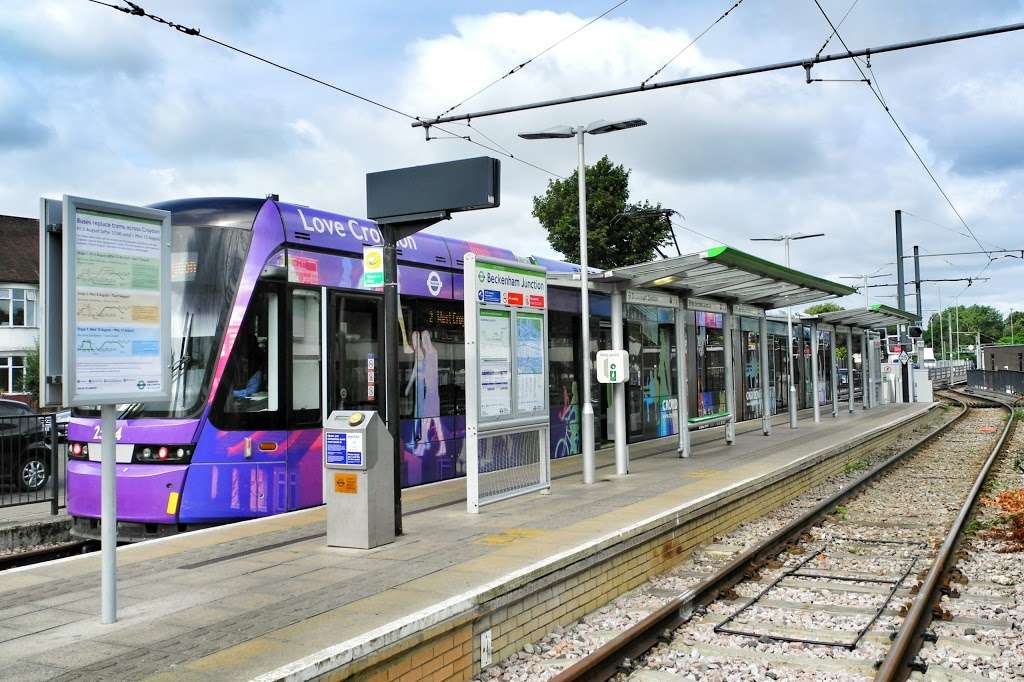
x=530, y=387
x=495, y=344
x=118, y=292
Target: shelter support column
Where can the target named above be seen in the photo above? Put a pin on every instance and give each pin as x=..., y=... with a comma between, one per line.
x=728, y=320
x=766, y=409
x=865, y=369
x=619, y=392
x=849, y=368
x=815, y=384
x=834, y=372
x=683, y=382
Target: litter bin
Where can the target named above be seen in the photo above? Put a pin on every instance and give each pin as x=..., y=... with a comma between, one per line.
x=359, y=468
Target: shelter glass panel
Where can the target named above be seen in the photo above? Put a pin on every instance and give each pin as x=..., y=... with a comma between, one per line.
x=751, y=354
x=651, y=393
x=564, y=395
x=778, y=370
x=710, y=357
x=825, y=368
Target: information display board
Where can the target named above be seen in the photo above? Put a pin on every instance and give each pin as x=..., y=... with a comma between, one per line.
x=506, y=309
x=507, y=443
x=116, y=303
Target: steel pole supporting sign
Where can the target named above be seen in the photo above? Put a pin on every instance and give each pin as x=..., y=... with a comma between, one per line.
x=116, y=332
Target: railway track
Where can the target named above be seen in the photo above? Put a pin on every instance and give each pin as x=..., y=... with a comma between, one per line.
x=844, y=591
x=46, y=553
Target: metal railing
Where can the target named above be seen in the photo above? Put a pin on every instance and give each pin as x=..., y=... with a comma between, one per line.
x=951, y=374
x=33, y=461
x=1006, y=381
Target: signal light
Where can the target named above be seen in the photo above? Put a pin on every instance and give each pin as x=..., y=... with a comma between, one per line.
x=79, y=451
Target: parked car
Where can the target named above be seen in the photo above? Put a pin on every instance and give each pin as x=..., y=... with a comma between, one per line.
x=24, y=450
x=63, y=417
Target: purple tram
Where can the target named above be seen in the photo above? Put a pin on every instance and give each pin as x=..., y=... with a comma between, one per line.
x=271, y=327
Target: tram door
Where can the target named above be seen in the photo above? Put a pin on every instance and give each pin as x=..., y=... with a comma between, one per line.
x=355, y=363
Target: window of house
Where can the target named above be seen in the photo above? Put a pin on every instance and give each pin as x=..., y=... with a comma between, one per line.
x=12, y=369
x=17, y=307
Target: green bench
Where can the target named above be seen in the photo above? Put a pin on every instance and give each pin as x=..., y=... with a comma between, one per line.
x=708, y=420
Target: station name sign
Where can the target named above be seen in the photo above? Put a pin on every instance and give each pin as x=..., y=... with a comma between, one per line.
x=510, y=285
x=644, y=297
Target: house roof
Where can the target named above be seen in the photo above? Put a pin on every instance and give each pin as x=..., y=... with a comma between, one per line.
x=19, y=255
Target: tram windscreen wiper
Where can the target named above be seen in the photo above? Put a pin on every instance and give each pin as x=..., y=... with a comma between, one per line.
x=179, y=369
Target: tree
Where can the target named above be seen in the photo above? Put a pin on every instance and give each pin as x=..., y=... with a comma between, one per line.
x=618, y=232
x=30, y=377
x=819, y=308
x=973, y=318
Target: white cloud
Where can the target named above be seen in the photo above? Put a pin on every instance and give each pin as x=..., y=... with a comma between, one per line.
x=145, y=114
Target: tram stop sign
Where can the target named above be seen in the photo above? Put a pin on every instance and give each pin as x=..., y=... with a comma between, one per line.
x=612, y=366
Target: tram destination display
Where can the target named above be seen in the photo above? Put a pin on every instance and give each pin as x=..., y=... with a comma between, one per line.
x=116, y=303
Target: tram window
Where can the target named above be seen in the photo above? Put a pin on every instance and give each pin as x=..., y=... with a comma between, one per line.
x=432, y=361
x=252, y=374
x=305, y=357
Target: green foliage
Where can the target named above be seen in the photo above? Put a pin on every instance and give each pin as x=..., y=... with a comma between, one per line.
x=633, y=238
x=973, y=318
x=30, y=379
x=858, y=465
x=819, y=308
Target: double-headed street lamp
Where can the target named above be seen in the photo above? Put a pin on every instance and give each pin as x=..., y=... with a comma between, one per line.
x=787, y=238
x=565, y=132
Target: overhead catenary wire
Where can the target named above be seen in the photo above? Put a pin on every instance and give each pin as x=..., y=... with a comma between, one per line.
x=722, y=75
x=896, y=123
x=134, y=9
x=522, y=65
x=692, y=42
x=833, y=33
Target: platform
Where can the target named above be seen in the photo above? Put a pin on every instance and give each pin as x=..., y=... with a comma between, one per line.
x=267, y=599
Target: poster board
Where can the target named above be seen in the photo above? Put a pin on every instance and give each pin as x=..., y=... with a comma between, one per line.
x=506, y=316
x=117, y=314
x=507, y=416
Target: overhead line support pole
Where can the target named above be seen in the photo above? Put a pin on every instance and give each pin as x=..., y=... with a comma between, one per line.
x=792, y=64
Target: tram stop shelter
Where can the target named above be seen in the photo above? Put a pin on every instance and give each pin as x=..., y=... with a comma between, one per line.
x=865, y=321
x=722, y=280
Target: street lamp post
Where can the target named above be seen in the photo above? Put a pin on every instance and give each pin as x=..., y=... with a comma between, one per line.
x=565, y=132
x=786, y=239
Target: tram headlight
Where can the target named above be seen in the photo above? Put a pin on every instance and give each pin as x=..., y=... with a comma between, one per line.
x=162, y=454
x=78, y=450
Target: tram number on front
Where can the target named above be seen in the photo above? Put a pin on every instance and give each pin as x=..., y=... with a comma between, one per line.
x=346, y=483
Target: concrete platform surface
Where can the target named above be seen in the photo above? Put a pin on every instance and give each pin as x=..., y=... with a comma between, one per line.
x=269, y=598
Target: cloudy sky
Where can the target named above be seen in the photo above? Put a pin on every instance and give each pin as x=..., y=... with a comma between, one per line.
x=98, y=103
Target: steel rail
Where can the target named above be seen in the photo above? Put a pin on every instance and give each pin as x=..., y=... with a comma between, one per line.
x=900, y=661
x=610, y=658
x=41, y=554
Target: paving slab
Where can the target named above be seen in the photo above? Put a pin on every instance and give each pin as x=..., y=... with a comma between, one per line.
x=233, y=603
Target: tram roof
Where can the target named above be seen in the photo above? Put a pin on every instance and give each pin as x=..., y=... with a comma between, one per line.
x=875, y=315
x=723, y=273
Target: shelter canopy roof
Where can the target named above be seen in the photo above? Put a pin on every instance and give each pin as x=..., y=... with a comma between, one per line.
x=722, y=273
x=876, y=315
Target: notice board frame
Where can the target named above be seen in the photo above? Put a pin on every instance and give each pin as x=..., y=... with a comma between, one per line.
x=72, y=206
x=479, y=299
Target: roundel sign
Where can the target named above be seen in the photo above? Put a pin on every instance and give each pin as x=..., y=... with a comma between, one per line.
x=434, y=283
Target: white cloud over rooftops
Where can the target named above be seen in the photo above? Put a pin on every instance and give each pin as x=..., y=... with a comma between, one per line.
x=101, y=104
